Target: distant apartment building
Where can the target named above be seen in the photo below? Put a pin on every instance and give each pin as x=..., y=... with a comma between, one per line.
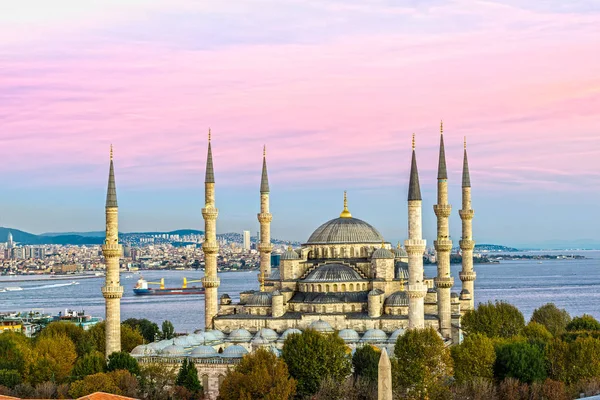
x=246, y=246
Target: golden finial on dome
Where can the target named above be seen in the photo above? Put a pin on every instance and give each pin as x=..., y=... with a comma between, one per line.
x=413, y=141
x=382, y=244
x=345, y=213
x=398, y=245
x=111, y=152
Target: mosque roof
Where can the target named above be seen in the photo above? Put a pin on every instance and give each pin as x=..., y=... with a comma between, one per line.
x=235, y=351
x=139, y=350
x=288, y=332
x=395, y=335
x=344, y=230
x=290, y=254
x=268, y=334
x=259, y=299
x=333, y=273
x=204, y=352
x=321, y=326
x=330, y=297
x=397, y=299
x=399, y=252
x=382, y=253
x=349, y=335
x=240, y=335
x=374, y=335
x=173, y=350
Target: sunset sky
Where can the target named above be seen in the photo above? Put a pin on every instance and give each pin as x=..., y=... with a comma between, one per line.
x=333, y=88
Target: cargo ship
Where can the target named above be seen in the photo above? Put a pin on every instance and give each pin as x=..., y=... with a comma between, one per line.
x=142, y=289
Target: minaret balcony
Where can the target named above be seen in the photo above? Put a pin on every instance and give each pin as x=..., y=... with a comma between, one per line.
x=265, y=247
x=210, y=247
x=443, y=245
x=210, y=282
x=467, y=276
x=210, y=213
x=112, y=250
x=112, y=292
x=416, y=291
x=444, y=282
x=265, y=218
x=442, y=210
x=467, y=244
x=415, y=246
x=466, y=214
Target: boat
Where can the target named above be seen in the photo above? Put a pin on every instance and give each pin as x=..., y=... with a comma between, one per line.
x=142, y=288
x=13, y=288
x=78, y=317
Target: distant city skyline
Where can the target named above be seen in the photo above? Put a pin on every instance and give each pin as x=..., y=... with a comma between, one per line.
x=334, y=89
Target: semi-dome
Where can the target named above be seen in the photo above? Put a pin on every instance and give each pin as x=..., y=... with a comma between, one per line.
x=374, y=336
x=240, y=335
x=235, y=351
x=173, y=350
x=382, y=253
x=349, y=335
x=345, y=230
x=397, y=299
x=321, y=326
x=259, y=299
x=333, y=273
x=204, y=352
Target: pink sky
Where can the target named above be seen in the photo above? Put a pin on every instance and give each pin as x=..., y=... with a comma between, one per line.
x=333, y=88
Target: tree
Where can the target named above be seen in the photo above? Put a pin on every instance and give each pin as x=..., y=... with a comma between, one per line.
x=260, y=375
x=148, y=329
x=584, y=323
x=168, y=331
x=537, y=333
x=553, y=318
x=56, y=354
x=497, y=319
x=10, y=378
x=122, y=360
x=130, y=338
x=312, y=357
x=188, y=377
x=521, y=360
x=583, y=359
x=74, y=332
x=156, y=381
x=100, y=382
x=366, y=363
x=474, y=358
x=557, y=354
x=11, y=357
x=423, y=363
x=89, y=364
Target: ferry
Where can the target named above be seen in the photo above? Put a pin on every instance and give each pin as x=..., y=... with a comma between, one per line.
x=142, y=289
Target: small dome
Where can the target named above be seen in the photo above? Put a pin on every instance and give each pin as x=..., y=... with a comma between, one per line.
x=349, y=335
x=268, y=334
x=204, y=352
x=382, y=253
x=217, y=334
x=225, y=296
x=333, y=273
x=464, y=292
x=397, y=299
x=194, y=340
x=454, y=295
x=239, y=336
x=399, y=252
x=375, y=292
x=276, y=293
x=154, y=346
x=173, y=351
x=209, y=337
x=259, y=340
x=321, y=326
x=395, y=335
x=140, y=350
x=182, y=341
x=259, y=299
x=290, y=254
x=164, y=343
x=374, y=336
x=288, y=332
x=235, y=351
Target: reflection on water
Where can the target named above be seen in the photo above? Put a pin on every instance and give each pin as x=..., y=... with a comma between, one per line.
x=570, y=284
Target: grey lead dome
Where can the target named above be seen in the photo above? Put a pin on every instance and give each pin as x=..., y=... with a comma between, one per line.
x=345, y=231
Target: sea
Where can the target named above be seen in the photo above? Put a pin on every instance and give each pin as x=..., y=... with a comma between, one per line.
x=572, y=284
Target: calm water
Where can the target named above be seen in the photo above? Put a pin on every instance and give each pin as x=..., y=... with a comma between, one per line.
x=570, y=284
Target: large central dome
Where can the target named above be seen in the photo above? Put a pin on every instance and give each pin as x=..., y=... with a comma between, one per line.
x=345, y=230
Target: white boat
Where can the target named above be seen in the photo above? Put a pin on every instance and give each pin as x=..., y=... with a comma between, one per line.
x=13, y=288
x=2, y=290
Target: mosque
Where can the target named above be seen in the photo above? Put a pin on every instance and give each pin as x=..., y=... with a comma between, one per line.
x=346, y=277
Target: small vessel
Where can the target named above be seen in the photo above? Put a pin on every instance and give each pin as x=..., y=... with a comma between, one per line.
x=142, y=289
x=13, y=288
x=2, y=290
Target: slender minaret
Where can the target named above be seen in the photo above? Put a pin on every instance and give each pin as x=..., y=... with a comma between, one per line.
x=111, y=249
x=443, y=244
x=415, y=247
x=210, y=281
x=264, y=217
x=467, y=275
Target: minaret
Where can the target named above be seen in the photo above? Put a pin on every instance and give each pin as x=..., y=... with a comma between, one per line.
x=210, y=281
x=415, y=247
x=111, y=249
x=264, y=218
x=443, y=244
x=467, y=275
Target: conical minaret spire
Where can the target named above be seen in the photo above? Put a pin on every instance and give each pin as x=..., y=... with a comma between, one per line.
x=264, y=218
x=210, y=281
x=415, y=247
x=467, y=244
x=111, y=249
x=443, y=244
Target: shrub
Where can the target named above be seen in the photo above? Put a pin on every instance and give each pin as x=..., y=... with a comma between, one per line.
x=584, y=323
x=474, y=358
x=521, y=360
x=553, y=318
x=495, y=320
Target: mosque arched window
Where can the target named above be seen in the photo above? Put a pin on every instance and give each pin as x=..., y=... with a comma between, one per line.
x=319, y=288
x=335, y=287
x=352, y=287
x=327, y=288
x=343, y=287
x=205, y=381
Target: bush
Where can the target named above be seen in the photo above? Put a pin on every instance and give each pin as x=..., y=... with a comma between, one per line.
x=366, y=363
x=122, y=360
x=312, y=357
x=474, y=358
x=494, y=320
x=584, y=323
x=521, y=360
x=475, y=389
x=553, y=318
x=10, y=378
x=536, y=332
x=89, y=364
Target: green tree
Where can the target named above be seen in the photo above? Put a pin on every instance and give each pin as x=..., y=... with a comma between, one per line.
x=584, y=323
x=89, y=364
x=148, y=329
x=122, y=360
x=156, y=381
x=10, y=378
x=497, y=319
x=72, y=331
x=168, y=330
x=312, y=357
x=100, y=382
x=188, y=377
x=130, y=338
x=583, y=359
x=365, y=362
x=423, y=363
x=521, y=360
x=56, y=356
x=474, y=358
x=260, y=375
x=552, y=317
x=557, y=354
x=536, y=332
x=11, y=357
